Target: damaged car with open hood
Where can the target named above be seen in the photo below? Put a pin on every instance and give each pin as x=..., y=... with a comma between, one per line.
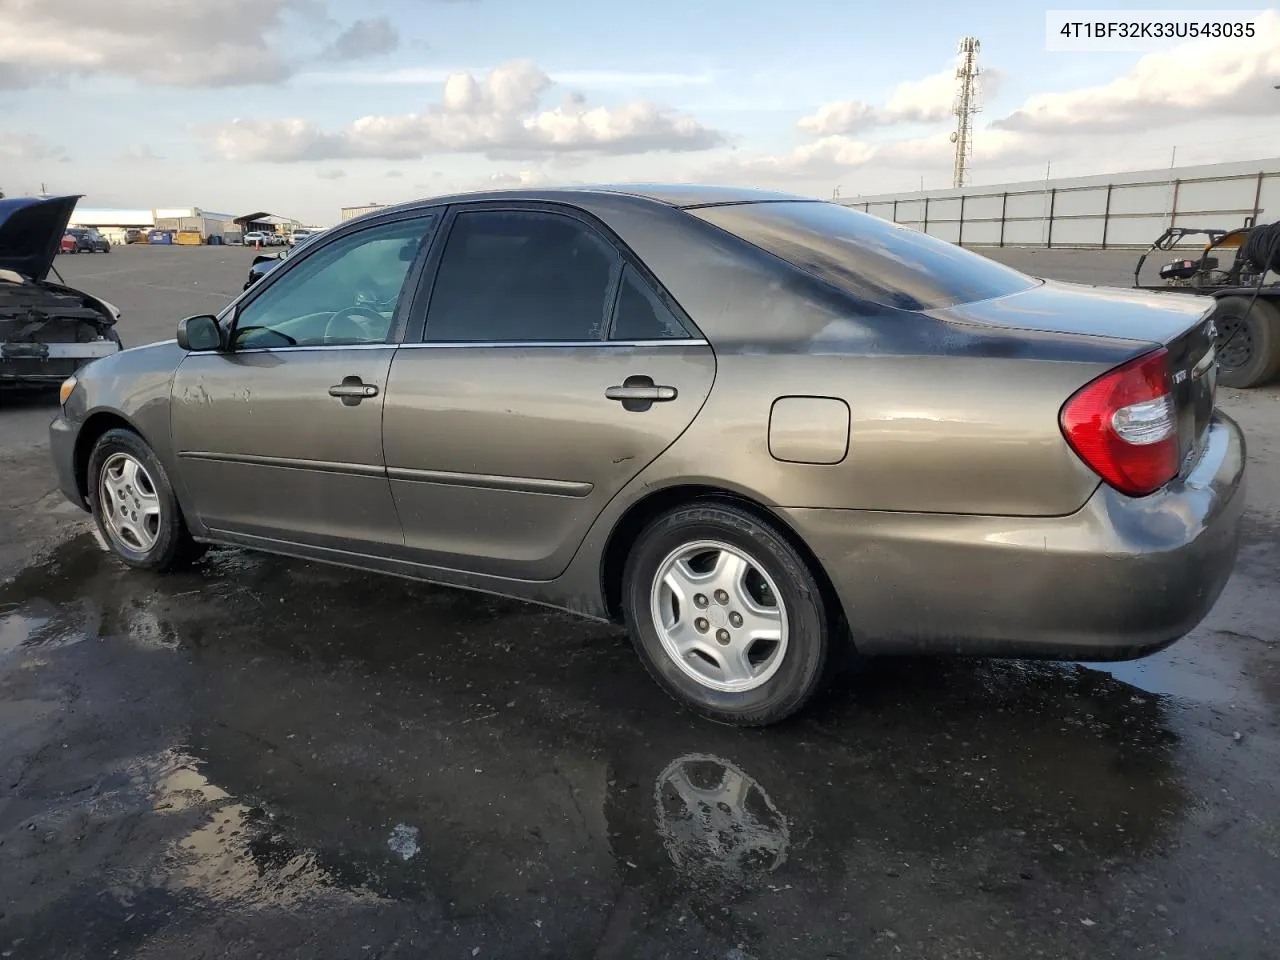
x=48, y=330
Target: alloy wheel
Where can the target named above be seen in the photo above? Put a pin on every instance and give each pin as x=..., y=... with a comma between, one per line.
x=129, y=503
x=719, y=615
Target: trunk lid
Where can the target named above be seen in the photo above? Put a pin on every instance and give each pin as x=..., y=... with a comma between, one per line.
x=1194, y=369
x=1178, y=322
x=31, y=229
x=1112, y=312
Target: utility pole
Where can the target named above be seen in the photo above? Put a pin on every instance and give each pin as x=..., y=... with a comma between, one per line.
x=966, y=105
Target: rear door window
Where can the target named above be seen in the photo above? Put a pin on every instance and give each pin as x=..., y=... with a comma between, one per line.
x=511, y=276
x=641, y=315
x=873, y=259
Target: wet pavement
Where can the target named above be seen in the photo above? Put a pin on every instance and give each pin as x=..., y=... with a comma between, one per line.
x=269, y=758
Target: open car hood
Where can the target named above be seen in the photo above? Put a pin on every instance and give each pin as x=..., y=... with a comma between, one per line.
x=31, y=229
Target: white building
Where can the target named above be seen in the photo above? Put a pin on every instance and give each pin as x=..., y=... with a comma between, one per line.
x=113, y=223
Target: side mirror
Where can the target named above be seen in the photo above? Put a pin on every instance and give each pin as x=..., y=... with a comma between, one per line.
x=199, y=333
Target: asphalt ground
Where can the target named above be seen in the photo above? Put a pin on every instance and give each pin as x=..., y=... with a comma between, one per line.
x=270, y=758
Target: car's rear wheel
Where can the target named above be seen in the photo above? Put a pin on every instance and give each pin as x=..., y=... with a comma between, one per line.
x=1248, y=341
x=726, y=614
x=134, y=506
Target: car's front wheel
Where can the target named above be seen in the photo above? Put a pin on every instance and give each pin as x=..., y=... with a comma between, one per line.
x=726, y=614
x=134, y=506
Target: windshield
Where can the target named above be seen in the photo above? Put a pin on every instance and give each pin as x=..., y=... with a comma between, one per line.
x=871, y=258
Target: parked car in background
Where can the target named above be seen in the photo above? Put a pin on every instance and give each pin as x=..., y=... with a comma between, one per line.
x=763, y=432
x=89, y=240
x=48, y=330
x=133, y=235
x=255, y=237
x=68, y=244
x=265, y=263
x=298, y=235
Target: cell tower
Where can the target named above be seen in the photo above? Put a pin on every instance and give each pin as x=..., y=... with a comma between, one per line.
x=966, y=106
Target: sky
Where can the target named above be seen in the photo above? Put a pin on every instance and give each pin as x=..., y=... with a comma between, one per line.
x=301, y=107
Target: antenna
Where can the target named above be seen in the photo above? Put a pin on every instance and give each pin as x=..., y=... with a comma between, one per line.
x=966, y=105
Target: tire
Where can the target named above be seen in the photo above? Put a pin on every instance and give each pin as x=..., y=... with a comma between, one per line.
x=773, y=680
x=162, y=544
x=1251, y=338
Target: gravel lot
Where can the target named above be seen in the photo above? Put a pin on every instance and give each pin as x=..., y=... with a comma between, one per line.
x=269, y=758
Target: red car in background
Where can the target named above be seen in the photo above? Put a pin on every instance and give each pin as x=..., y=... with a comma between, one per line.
x=69, y=244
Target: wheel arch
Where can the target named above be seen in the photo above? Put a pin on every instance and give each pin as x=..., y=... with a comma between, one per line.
x=95, y=425
x=637, y=516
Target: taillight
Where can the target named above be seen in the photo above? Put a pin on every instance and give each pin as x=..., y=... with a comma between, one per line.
x=1124, y=425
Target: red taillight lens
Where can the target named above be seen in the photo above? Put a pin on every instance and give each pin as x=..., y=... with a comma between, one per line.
x=1123, y=425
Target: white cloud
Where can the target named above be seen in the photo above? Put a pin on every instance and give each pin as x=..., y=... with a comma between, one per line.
x=29, y=148
x=622, y=80
x=817, y=160
x=887, y=164
x=1201, y=78
x=840, y=117
x=496, y=115
x=177, y=44
x=927, y=100
x=364, y=38
x=140, y=153
x=1086, y=130
x=331, y=174
x=522, y=178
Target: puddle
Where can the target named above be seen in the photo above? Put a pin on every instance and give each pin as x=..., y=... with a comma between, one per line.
x=27, y=630
x=717, y=822
x=225, y=849
x=1176, y=678
x=1217, y=670
x=404, y=841
x=16, y=630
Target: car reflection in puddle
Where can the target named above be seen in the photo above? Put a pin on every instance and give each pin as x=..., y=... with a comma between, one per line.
x=270, y=735
x=717, y=823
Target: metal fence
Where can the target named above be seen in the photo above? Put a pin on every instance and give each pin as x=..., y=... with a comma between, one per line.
x=1128, y=210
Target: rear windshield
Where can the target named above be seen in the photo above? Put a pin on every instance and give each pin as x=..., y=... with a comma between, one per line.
x=871, y=258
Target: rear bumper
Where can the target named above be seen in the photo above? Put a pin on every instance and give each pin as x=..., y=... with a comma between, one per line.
x=1118, y=579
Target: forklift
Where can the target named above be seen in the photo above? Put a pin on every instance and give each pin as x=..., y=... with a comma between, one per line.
x=1247, y=313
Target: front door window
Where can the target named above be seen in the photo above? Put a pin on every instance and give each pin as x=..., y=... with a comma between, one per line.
x=343, y=294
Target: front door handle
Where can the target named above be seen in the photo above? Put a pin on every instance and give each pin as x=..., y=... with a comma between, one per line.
x=639, y=393
x=352, y=390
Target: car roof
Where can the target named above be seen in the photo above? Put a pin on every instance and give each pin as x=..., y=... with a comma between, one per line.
x=687, y=195
x=683, y=196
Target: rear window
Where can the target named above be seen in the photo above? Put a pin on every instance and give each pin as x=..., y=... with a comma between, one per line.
x=871, y=258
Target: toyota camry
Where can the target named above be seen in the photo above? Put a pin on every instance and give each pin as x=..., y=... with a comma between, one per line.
x=761, y=431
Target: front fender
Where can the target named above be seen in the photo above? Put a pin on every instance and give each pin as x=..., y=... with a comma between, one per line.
x=133, y=387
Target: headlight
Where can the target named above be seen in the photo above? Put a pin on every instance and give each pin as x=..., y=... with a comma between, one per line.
x=64, y=391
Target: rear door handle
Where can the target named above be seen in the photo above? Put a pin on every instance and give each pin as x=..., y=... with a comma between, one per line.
x=638, y=393
x=352, y=390
x=654, y=394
